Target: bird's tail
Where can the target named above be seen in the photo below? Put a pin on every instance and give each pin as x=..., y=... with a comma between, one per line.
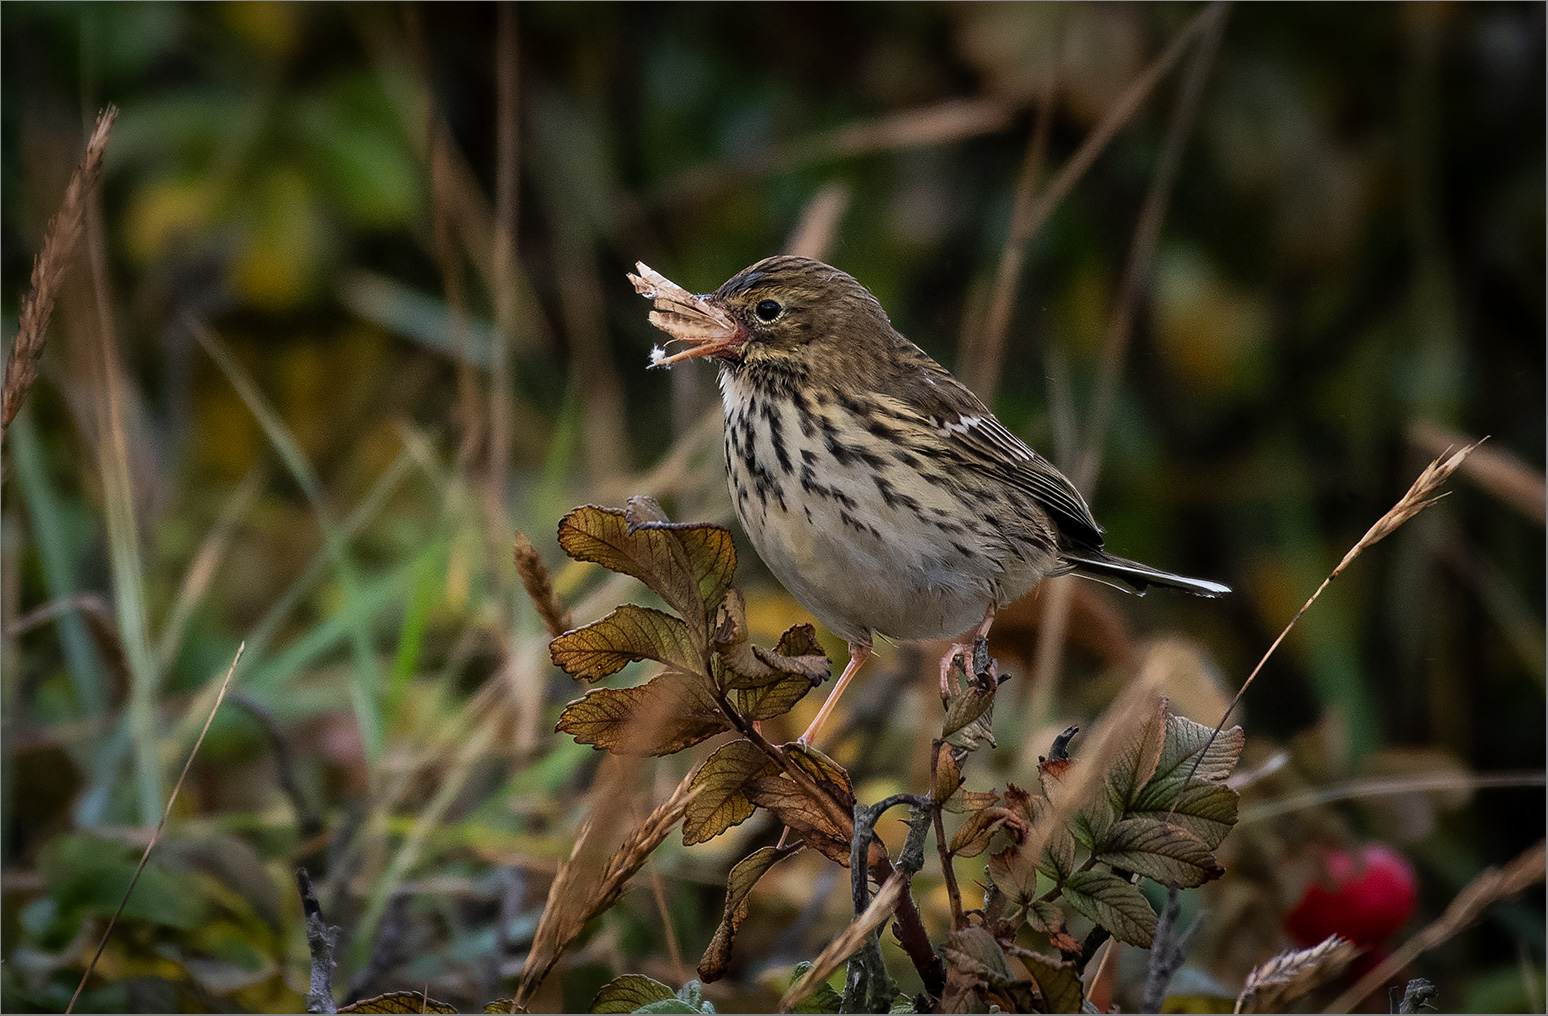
x=1134, y=577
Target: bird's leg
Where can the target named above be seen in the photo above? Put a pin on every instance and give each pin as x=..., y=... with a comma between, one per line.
x=858, y=654
x=964, y=651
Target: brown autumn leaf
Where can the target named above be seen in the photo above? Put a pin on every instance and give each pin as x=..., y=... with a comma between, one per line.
x=745, y=665
x=666, y=715
x=948, y=777
x=689, y=565
x=974, y=834
x=721, y=802
x=628, y=634
x=1057, y=981
x=806, y=818
x=739, y=885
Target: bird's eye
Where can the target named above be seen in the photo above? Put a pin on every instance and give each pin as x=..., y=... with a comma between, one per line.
x=768, y=310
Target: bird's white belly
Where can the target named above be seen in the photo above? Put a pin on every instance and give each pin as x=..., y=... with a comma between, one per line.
x=856, y=536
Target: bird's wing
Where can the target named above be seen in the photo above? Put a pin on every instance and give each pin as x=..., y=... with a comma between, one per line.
x=946, y=410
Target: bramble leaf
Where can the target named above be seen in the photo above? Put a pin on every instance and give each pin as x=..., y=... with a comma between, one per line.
x=1207, y=810
x=721, y=803
x=1137, y=759
x=1114, y=904
x=1166, y=853
x=630, y=993
x=398, y=1002
x=744, y=875
x=974, y=834
x=1058, y=981
x=628, y=634
x=689, y=565
x=666, y=715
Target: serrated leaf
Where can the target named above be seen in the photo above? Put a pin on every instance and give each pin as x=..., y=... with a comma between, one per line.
x=1114, y=904
x=1058, y=858
x=1137, y=759
x=1058, y=981
x=964, y=707
x=1207, y=810
x=770, y=700
x=628, y=634
x=791, y=805
x=973, y=835
x=948, y=777
x=630, y=993
x=671, y=1005
x=1185, y=739
x=503, y=1005
x=739, y=885
x=1045, y=916
x=1166, y=853
x=823, y=998
x=398, y=1002
x=745, y=665
x=1090, y=822
x=689, y=565
x=969, y=801
x=720, y=803
x=664, y=716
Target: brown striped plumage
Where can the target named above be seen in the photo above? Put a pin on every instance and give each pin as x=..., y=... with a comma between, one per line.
x=880, y=490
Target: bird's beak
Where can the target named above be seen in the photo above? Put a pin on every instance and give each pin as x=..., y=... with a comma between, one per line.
x=699, y=321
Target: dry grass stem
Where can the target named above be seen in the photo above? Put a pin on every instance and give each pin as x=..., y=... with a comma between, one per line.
x=1419, y=497
x=1142, y=250
x=1353, y=790
x=540, y=587
x=1494, y=469
x=60, y=239
x=156, y=836
x=985, y=353
x=1117, y=116
x=1493, y=885
x=570, y=905
x=848, y=941
x=1276, y=982
x=813, y=233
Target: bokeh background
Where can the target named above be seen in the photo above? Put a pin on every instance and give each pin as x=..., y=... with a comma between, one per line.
x=301, y=391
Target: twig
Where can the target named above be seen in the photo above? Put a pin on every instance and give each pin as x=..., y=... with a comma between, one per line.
x=387, y=952
x=1416, y=995
x=851, y=938
x=1168, y=953
x=320, y=941
x=1354, y=790
x=1420, y=496
x=48, y=272
x=953, y=893
x=156, y=836
x=307, y=822
x=1492, y=885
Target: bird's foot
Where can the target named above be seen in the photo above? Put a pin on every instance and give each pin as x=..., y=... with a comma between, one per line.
x=966, y=653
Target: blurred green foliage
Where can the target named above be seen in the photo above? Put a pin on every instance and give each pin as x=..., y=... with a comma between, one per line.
x=296, y=241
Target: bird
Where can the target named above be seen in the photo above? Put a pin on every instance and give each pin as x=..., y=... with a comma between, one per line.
x=885, y=496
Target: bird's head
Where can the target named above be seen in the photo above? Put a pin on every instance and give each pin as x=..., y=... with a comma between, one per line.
x=790, y=313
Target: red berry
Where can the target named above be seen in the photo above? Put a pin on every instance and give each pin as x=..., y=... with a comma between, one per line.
x=1366, y=896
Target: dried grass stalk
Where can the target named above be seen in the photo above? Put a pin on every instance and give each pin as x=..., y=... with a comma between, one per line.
x=1420, y=496
x=848, y=941
x=48, y=273
x=570, y=905
x=1278, y=981
x=1493, y=885
x=535, y=579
